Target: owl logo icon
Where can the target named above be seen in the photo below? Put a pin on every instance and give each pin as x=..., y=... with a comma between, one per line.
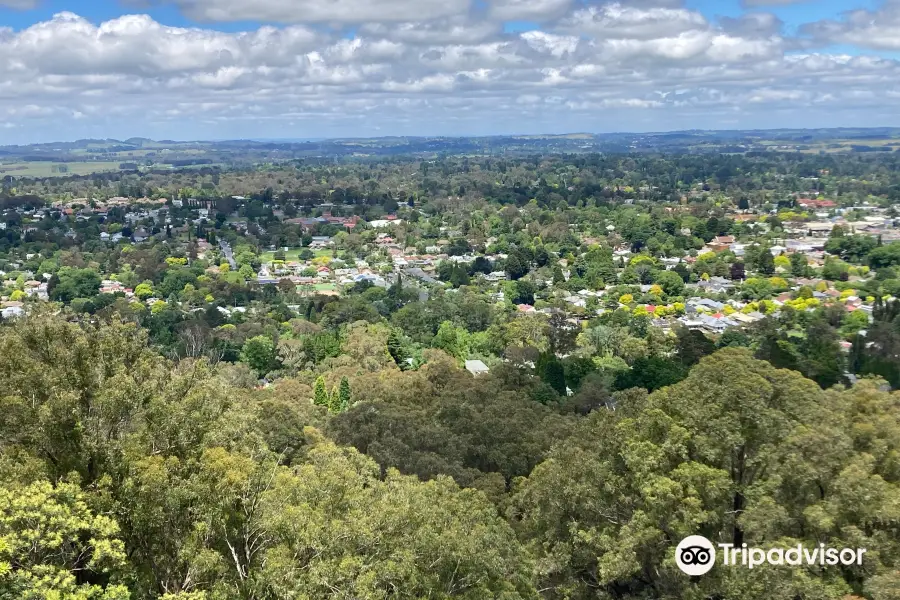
x=695, y=555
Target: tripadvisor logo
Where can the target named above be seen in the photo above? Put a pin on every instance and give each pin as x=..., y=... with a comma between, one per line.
x=696, y=555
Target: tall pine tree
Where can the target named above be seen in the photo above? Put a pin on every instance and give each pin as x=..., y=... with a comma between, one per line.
x=334, y=401
x=396, y=349
x=320, y=394
x=344, y=395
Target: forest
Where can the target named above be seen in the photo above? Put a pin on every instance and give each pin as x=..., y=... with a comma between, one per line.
x=466, y=377
x=128, y=475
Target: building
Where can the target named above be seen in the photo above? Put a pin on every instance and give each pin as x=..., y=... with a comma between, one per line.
x=476, y=367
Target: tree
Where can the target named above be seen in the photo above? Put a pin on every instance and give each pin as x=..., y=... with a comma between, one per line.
x=671, y=283
x=320, y=393
x=459, y=276
x=357, y=536
x=397, y=349
x=737, y=271
x=516, y=265
x=452, y=339
x=53, y=546
x=835, y=269
x=692, y=345
x=682, y=271
x=334, y=401
x=74, y=283
x=737, y=452
x=855, y=248
x=522, y=292
x=144, y=290
x=551, y=370
x=885, y=256
x=823, y=361
x=259, y=354
x=734, y=338
x=650, y=373
x=344, y=395
x=246, y=271
x=481, y=264
x=435, y=422
x=558, y=277
x=766, y=262
x=799, y=264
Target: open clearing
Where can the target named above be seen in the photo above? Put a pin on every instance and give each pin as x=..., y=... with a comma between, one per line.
x=51, y=169
x=291, y=254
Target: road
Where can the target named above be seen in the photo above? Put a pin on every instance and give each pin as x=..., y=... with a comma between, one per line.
x=229, y=255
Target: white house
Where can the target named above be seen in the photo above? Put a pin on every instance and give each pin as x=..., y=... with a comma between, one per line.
x=476, y=367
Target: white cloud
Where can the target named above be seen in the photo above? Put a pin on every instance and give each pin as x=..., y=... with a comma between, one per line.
x=20, y=4
x=877, y=29
x=555, y=45
x=622, y=21
x=319, y=11
x=605, y=67
x=527, y=10
x=436, y=32
x=757, y=23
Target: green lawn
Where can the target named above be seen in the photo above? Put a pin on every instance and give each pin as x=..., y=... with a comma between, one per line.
x=292, y=254
x=316, y=287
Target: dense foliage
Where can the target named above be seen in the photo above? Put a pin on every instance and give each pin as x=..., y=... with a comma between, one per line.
x=163, y=479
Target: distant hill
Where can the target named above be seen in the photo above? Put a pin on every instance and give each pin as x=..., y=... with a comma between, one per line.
x=249, y=151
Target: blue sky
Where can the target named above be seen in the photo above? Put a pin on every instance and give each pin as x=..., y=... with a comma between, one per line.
x=190, y=69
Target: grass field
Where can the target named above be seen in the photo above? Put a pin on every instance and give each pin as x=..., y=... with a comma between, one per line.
x=46, y=169
x=292, y=254
x=833, y=146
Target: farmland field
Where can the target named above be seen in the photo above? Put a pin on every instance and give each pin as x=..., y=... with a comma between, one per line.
x=51, y=169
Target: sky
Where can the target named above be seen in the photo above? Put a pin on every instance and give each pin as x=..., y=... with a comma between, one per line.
x=230, y=69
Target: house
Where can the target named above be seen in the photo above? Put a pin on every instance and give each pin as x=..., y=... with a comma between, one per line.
x=819, y=229
x=715, y=285
x=476, y=367
x=380, y=223
x=420, y=275
x=12, y=309
x=10, y=312
x=721, y=242
x=714, y=324
x=577, y=301
x=816, y=203
x=108, y=286
x=708, y=304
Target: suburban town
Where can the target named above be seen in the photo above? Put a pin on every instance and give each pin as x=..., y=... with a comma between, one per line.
x=723, y=283
x=315, y=377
